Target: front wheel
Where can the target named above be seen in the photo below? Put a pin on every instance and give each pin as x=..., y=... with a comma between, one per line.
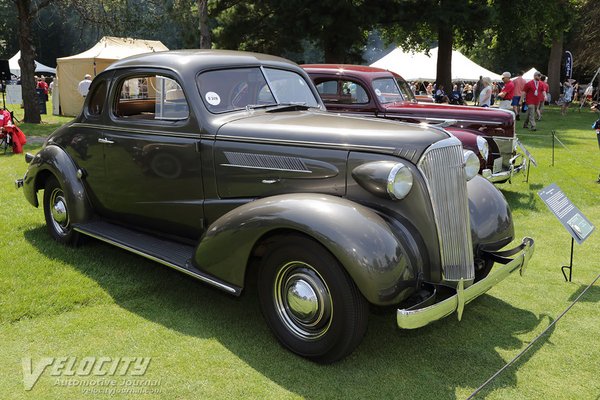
x=57, y=215
x=309, y=301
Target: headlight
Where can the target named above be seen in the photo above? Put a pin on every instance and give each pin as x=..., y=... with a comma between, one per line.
x=399, y=181
x=386, y=179
x=483, y=147
x=471, y=164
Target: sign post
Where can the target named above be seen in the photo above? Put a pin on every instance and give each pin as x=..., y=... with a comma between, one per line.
x=578, y=226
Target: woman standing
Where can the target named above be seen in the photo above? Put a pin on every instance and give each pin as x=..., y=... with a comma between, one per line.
x=485, y=96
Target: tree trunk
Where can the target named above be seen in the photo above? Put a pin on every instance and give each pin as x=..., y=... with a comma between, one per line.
x=27, y=64
x=444, y=60
x=205, y=36
x=554, y=66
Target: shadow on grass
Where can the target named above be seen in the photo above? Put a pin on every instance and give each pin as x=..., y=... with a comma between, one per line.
x=528, y=200
x=431, y=362
x=591, y=296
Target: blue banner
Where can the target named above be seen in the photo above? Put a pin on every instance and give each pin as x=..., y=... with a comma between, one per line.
x=568, y=65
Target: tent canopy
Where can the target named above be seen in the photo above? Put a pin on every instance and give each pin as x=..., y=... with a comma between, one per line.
x=71, y=70
x=529, y=74
x=422, y=67
x=40, y=68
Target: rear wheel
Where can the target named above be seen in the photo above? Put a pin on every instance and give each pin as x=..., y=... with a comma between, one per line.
x=309, y=301
x=56, y=211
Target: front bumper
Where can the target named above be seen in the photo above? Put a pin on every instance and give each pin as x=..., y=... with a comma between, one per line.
x=516, y=165
x=421, y=315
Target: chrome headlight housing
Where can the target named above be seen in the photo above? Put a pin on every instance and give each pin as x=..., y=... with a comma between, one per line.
x=388, y=179
x=399, y=182
x=483, y=147
x=471, y=164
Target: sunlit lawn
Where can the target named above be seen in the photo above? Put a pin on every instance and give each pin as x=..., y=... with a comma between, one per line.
x=97, y=300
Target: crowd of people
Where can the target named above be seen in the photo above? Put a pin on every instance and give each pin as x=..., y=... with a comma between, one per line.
x=512, y=93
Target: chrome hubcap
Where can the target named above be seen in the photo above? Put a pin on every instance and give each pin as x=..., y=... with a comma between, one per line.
x=58, y=210
x=303, y=301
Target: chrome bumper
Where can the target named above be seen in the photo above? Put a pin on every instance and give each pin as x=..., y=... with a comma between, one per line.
x=517, y=164
x=418, y=316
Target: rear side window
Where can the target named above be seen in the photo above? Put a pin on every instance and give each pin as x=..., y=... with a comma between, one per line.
x=151, y=97
x=342, y=92
x=97, y=98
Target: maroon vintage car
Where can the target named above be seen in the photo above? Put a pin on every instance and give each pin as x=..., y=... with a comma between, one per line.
x=375, y=92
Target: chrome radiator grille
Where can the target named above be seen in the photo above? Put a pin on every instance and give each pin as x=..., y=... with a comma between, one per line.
x=442, y=166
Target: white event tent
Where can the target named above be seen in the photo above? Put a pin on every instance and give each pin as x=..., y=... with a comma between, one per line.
x=529, y=74
x=40, y=68
x=422, y=67
x=71, y=70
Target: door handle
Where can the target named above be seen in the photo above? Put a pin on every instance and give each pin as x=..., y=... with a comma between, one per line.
x=105, y=141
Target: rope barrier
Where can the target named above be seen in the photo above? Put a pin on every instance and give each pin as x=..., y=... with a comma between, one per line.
x=480, y=388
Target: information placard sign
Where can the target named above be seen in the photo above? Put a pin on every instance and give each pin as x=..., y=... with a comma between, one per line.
x=572, y=219
x=527, y=153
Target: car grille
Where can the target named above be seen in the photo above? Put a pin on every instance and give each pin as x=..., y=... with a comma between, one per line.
x=442, y=166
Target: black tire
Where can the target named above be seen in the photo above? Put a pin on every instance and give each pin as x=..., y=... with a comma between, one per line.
x=57, y=215
x=300, y=284
x=484, y=271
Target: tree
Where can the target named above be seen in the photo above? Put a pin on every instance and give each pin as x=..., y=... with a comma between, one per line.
x=27, y=11
x=418, y=24
x=586, y=36
x=205, y=34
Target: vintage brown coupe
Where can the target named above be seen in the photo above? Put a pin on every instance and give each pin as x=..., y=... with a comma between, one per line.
x=375, y=92
x=216, y=163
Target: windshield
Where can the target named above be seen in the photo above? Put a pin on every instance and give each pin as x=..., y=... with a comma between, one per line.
x=405, y=89
x=253, y=87
x=386, y=90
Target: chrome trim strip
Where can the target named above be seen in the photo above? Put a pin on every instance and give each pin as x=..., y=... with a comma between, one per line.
x=266, y=168
x=392, y=115
x=135, y=130
x=416, y=318
x=304, y=143
x=158, y=260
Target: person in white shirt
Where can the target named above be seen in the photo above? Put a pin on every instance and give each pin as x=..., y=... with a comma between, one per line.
x=485, y=96
x=84, y=85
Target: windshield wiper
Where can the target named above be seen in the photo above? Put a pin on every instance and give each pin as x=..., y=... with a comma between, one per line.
x=290, y=107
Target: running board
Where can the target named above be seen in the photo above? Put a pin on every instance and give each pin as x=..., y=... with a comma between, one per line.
x=172, y=254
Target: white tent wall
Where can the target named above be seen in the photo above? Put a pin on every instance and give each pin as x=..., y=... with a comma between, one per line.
x=71, y=70
x=422, y=67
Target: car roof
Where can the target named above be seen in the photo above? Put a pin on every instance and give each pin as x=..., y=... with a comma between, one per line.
x=362, y=70
x=198, y=59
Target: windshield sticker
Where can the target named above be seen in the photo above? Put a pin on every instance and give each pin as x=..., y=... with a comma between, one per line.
x=378, y=92
x=212, y=98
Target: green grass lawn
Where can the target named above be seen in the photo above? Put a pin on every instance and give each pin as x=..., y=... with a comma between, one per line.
x=100, y=301
x=49, y=122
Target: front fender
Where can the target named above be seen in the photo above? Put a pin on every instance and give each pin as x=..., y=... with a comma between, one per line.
x=374, y=254
x=53, y=160
x=491, y=219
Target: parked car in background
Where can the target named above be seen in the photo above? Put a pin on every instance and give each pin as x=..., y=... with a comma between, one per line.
x=374, y=92
x=225, y=166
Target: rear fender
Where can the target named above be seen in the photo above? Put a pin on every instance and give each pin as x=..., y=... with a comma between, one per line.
x=373, y=253
x=53, y=160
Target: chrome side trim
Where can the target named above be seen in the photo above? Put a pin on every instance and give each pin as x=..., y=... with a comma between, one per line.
x=438, y=120
x=205, y=279
x=413, y=318
x=135, y=130
x=265, y=161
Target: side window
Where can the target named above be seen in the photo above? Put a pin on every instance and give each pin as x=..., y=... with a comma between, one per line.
x=97, y=98
x=342, y=92
x=151, y=97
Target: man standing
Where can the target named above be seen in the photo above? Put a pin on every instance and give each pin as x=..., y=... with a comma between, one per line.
x=542, y=96
x=518, y=83
x=531, y=91
x=507, y=93
x=84, y=85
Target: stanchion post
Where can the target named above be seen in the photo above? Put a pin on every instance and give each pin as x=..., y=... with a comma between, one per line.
x=553, y=135
x=528, y=166
x=570, y=266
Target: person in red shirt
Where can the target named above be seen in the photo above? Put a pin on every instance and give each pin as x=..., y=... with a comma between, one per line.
x=507, y=93
x=542, y=96
x=519, y=83
x=531, y=92
x=41, y=84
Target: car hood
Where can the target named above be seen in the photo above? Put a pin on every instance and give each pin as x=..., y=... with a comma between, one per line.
x=322, y=129
x=446, y=111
